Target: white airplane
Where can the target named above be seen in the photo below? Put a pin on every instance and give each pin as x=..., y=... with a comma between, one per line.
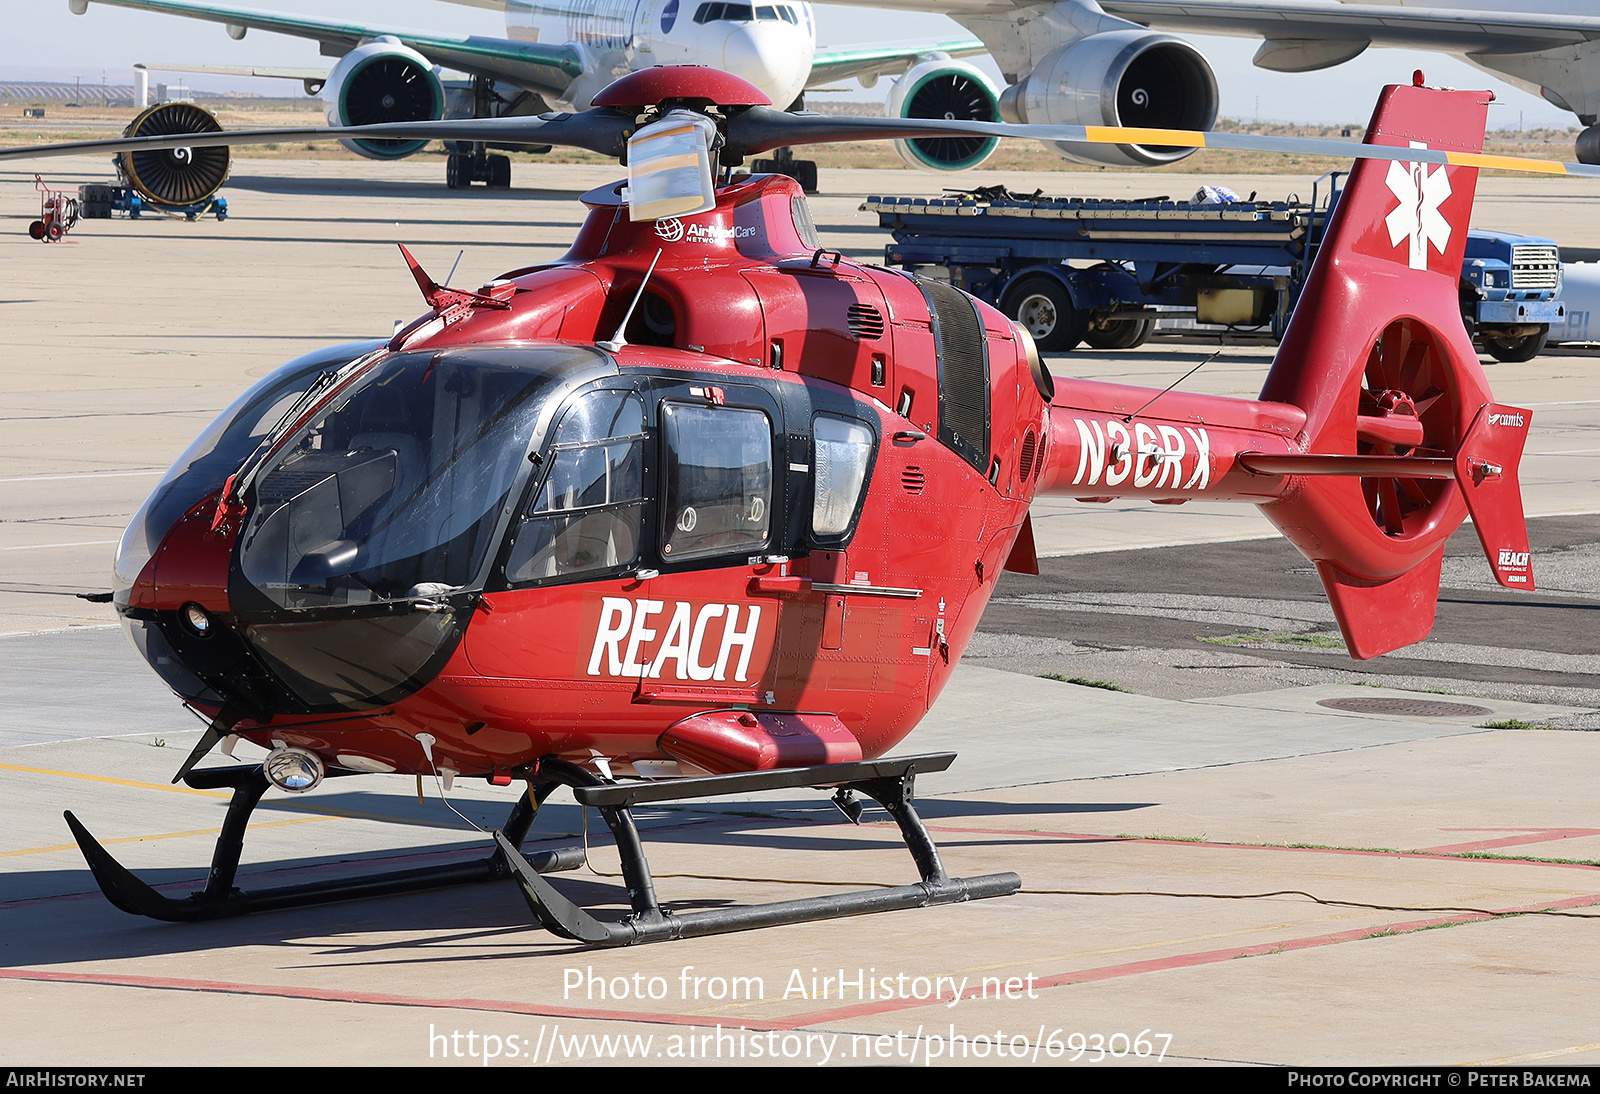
x=1078, y=62
x=559, y=54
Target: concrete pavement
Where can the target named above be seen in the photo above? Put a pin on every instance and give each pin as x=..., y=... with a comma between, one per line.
x=1173, y=849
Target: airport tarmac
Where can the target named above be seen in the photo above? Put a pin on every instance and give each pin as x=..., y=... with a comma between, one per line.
x=1174, y=841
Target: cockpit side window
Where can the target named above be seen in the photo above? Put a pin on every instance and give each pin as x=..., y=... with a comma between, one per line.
x=718, y=482
x=393, y=490
x=586, y=515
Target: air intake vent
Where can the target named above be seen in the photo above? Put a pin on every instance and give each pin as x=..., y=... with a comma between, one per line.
x=1030, y=449
x=913, y=480
x=963, y=373
x=865, y=321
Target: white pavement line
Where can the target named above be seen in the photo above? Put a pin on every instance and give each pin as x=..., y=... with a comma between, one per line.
x=62, y=630
x=1459, y=653
x=1297, y=616
x=84, y=475
x=1270, y=535
x=1152, y=546
x=1293, y=616
x=43, y=546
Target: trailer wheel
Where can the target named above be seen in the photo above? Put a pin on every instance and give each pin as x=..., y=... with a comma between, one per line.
x=1044, y=307
x=1516, y=350
x=1119, y=333
x=36, y=229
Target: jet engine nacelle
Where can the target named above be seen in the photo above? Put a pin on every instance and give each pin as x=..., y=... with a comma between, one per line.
x=1119, y=77
x=383, y=81
x=943, y=88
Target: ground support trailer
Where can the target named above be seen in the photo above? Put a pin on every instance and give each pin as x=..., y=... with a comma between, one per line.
x=1237, y=264
x=100, y=201
x=1234, y=265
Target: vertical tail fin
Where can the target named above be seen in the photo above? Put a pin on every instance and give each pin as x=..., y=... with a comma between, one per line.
x=1380, y=361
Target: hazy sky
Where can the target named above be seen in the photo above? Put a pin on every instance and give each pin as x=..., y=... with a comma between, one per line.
x=43, y=40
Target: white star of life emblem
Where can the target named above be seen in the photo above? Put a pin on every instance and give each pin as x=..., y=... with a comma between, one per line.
x=1417, y=218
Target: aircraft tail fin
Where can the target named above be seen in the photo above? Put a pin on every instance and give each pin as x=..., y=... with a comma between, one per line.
x=1402, y=435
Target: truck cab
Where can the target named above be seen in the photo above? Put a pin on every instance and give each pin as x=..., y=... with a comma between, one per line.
x=1510, y=292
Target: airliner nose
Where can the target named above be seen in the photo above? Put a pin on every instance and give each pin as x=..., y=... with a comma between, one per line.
x=774, y=56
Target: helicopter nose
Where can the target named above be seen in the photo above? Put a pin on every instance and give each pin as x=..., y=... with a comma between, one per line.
x=774, y=56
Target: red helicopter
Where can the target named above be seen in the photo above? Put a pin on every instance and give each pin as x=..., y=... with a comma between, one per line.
x=703, y=508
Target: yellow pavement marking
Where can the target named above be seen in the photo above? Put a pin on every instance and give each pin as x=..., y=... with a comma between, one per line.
x=305, y=807
x=1530, y=1057
x=158, y=835
x=115, y=782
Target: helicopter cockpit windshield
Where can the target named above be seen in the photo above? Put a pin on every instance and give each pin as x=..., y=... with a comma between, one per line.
x=394, y=490
x=220, y=450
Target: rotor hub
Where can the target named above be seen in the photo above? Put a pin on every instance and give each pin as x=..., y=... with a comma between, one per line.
x=651, y=87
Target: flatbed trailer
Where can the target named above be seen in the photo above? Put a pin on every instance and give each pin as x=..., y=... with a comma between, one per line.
x=1237, y=264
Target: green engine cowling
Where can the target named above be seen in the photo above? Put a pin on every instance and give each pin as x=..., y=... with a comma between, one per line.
x=940, y=87
x=383, y=81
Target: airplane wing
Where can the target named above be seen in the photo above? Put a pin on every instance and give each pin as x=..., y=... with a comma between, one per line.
x=1466, y=30
x=1471, y=31
x=310, y=77
x=831, y=65
x=530, y=65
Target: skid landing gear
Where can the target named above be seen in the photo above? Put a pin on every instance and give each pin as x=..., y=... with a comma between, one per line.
x=890, y=782
x=220, y=900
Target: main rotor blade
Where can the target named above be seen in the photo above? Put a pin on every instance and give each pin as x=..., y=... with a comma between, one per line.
x=602, y=131
x=761, y=128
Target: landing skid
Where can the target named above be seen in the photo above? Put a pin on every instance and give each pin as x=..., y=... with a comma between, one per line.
x=889, y=781
x=220, y=899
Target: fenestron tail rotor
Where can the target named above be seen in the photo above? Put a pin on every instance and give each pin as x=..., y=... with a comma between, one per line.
x=1406, y=410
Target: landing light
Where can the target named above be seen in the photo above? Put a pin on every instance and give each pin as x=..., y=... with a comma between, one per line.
x=195, y=618
x=293, y=769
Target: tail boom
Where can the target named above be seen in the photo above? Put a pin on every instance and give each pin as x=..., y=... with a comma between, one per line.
x=1103, y=444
